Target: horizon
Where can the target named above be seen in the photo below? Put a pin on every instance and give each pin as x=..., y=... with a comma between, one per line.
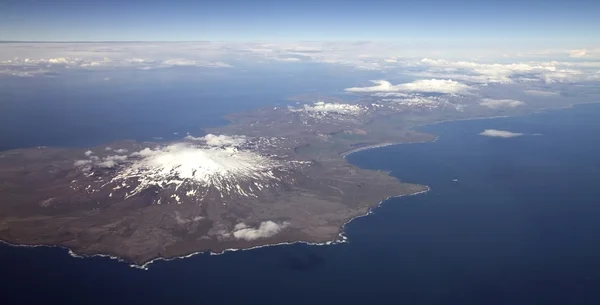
x=550, y=23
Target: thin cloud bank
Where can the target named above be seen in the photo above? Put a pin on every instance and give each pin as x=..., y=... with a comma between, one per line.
x=549, y=66
x=265, y=230
x=521, y=72
x=579, y=53
x=426, y=86
x=499, y=133
x=496, y=104
x=541, y=93
x=32, y=66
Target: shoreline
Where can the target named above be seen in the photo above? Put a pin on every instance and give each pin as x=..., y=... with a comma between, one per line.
x=344, y=154
x=342, y=238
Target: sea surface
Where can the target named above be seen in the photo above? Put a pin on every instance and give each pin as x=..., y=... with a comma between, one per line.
x=507, y=221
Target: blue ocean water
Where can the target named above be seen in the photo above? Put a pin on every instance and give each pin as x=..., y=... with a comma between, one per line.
x=82, y=109
x=519, y=226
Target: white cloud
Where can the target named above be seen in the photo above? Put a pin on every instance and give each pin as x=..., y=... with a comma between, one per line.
x=577, y=53
x=381, y=86
x=179, y=62
x=265, y=230
x=194, y=63
x=121, y=151
x=218, y=140
x=495, y=104
x=499, y=133
x=289, y=59
x=426, y=85
x=181, y=220
x=88, y=153
x=549, y=71
x=82, y=162
x=541, y=93
x=111, y=161
x=585, y=53
x=26, y=65
x=465, y=64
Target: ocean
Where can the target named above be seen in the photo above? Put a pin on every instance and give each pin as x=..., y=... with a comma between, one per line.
x=507, y=221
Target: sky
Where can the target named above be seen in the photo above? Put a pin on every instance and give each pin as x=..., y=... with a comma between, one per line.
x=549, y=23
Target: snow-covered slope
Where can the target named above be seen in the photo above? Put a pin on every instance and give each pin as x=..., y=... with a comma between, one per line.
x=214, y=166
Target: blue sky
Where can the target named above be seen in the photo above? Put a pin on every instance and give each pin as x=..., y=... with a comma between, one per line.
x=549, y=22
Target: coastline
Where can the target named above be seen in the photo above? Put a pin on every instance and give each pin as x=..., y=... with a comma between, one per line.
x=344, y=154
x=342, y=238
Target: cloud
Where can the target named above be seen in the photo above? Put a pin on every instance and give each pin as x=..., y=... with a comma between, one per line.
x=585, y=53
x=121, y=151
x=382, y=86
x=181, y=220
x=548, y=72
x=179, y=62
x=106, y=162
x=580, y=53
x=464, y=64
x=541, y=93
x=499, y=133
x=111, y=161
x=193, y=63
x=265, y=230
x=82, y=162
x=33, y=66
x=495, y=104
x=426, y=85
x=577, y=53
x=219, y=140
x=289, y=59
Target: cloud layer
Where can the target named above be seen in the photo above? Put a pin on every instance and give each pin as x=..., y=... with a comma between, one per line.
x=494, y=65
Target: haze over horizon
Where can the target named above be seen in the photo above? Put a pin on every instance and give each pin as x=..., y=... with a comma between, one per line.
x=514, y=24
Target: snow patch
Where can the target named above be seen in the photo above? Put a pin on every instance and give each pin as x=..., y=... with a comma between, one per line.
x=189, y=165
x=322, y=109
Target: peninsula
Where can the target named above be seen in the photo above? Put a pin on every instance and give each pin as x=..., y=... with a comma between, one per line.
x=272, y=175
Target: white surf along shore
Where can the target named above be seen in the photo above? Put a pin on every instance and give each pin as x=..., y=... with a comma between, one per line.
x=342, y=238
